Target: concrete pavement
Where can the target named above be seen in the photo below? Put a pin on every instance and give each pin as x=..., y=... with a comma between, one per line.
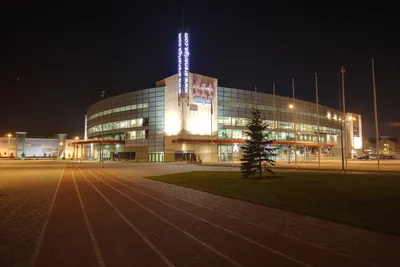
x=89, y=216
x=141, y=227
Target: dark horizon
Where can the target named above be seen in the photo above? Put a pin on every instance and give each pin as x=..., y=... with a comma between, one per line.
x=57, y=60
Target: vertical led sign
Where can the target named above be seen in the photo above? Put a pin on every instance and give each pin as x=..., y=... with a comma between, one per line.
x=180, y=63
x=183, y=64
x=186, y=69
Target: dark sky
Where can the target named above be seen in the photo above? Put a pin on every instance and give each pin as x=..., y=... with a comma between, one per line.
x=55, y=59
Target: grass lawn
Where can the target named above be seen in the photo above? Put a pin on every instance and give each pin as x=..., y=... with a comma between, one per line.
x=365, y=200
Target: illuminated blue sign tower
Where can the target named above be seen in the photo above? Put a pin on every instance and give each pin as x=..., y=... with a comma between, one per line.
x=183, y=64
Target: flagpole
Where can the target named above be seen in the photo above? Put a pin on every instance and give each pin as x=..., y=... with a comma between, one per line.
x=212, y=155
x=294, y=126
x=316, y=96
x=273, y=93
x=376, y=115
x=102, y=133
x=345, y=117
x=232, y=141
x=341, y=122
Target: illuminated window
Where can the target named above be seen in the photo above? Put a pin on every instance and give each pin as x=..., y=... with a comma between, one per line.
x=116, y=125
x=224, y=120
x=119, y=109
x=224, y=133
x=237, y=134
x=235, y=148
x=136, y=135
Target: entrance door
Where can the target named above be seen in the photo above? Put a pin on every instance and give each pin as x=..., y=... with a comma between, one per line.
x=156, y=157
x=185, y=156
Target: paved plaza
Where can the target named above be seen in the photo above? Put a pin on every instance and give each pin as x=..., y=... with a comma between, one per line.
x=64, y=213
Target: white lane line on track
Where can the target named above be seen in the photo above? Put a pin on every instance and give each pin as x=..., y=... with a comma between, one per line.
x=171, y=224
x=151, y=245
x=95, y=244
x=251, y=223
x=46, y=222
x=217, y=226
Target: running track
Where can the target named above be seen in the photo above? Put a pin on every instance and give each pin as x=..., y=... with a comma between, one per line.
x=98, y=219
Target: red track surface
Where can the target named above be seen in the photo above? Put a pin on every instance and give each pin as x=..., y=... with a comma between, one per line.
x=99, y=219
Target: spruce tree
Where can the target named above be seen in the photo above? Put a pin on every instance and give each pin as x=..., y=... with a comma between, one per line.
x=257, y=154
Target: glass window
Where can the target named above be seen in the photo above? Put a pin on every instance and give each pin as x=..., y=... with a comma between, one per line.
x=118, y=109
x=225, y=133
x=117, y=125
x=135, y=135
x=238, y=134
x=224, y=120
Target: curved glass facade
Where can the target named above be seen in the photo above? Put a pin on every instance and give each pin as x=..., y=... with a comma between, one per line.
x=157, y=126
x=282, y=115
x=118, y=109
x=136, y=117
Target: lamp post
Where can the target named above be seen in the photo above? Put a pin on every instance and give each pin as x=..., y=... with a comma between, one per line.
x=9, y=143
x=102, y=134
x=291, y=106
x=274, y=102
x=294, y=125
x=77, y=148
x=341, y=120
x=316, y=97
x=345, y=118
x=61, y=149
x=376, y=115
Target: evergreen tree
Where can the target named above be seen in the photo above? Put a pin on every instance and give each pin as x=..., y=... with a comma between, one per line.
x=257, y=154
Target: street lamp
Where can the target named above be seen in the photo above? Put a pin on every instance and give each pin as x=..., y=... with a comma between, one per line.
x=102, y=134
x=61, y=148
x=77, y=148
x=291, y=106
x=9, y=143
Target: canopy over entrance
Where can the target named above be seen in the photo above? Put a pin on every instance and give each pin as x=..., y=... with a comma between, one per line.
x=96, y=141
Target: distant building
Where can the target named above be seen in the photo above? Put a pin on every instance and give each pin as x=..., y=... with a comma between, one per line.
x=19, y=146
x=190, y=117
x=156, y=124
x=387, y=145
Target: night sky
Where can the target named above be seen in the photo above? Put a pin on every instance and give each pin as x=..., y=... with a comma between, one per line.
x=55, y=59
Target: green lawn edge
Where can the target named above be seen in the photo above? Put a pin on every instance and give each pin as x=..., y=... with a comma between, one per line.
x=310, y=169
x=288, y=209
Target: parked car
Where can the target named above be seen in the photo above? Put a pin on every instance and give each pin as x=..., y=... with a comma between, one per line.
x=374, y=156
x=387, y=157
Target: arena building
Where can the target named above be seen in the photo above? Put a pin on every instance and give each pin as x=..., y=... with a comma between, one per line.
x=190, y=117
x=19, y=146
